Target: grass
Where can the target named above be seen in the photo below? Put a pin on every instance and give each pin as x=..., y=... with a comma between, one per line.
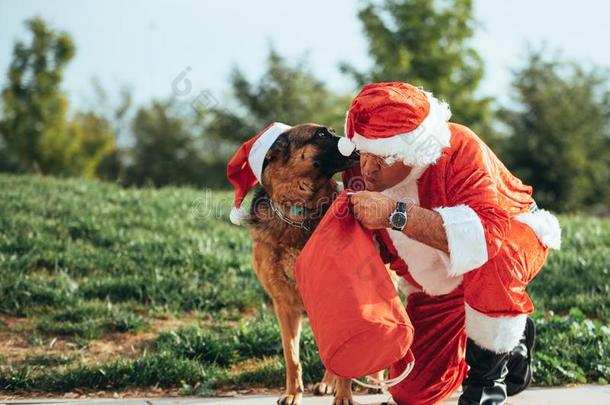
x=162, y=369
x=578, y=276
x=85, y=264
x=90, y=320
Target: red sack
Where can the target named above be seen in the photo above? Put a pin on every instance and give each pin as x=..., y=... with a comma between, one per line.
x=358, y=320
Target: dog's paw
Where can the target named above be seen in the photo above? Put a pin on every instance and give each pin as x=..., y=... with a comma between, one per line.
x=322, y=388
x=289, y=399
x=344, y=401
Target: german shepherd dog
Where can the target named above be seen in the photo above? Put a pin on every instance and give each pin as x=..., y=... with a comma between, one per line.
x=297, y=189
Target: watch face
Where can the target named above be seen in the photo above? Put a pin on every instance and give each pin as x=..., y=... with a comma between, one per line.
x=399, y=219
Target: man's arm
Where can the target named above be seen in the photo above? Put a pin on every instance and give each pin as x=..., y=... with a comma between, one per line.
x=426, y=226
x=473, y=225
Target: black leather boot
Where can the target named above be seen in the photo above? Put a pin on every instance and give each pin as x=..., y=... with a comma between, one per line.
x=485, y=382
x=520, y=361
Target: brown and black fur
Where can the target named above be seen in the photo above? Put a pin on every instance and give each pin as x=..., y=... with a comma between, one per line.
x=297, y=171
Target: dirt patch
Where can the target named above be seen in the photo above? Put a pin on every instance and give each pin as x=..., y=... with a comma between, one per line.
x=18, y=341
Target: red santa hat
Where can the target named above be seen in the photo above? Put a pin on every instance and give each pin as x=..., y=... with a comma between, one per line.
x=397, y=120
x=245, y=168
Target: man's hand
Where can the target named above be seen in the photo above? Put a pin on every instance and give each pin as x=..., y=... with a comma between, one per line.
x=372, y=209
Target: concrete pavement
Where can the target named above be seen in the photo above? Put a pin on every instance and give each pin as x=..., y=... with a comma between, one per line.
x=580, y=395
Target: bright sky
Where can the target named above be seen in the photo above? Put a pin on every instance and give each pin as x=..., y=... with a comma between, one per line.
x=146, y=44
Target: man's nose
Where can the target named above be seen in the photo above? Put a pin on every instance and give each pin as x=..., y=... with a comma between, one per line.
x=368, y=164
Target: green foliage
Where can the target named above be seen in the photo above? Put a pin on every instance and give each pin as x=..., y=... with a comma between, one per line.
x=90, y=320
x=257, y=338
x=36, y=134
x=34, y=124
x=68, y=242
x=290, y=94
x=96, y=140
x=579, y=274
x=571, y=349
x=159, y=369
x=559, y=136
x=8, y=160
x=165, y=151
x=182, y=146
x=224, y=345
x=266, y=372
x=286, y=93
x=426, y=44
x=49, y=360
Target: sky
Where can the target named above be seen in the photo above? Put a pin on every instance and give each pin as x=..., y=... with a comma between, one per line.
x=147, y=45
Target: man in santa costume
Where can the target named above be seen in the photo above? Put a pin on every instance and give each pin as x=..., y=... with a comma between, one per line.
x=464, y=234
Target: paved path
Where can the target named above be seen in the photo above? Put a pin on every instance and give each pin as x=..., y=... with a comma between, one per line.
x=581, y=395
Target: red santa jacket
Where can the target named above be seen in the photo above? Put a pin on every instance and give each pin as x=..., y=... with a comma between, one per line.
x=477, y=198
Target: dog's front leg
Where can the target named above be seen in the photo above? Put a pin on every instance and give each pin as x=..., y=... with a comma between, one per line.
x=289, y=320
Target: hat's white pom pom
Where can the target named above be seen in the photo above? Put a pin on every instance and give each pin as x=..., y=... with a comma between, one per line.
x=237, y=215
x=346, y=147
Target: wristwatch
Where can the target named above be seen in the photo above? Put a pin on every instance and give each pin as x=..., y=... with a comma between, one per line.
x=399, y=217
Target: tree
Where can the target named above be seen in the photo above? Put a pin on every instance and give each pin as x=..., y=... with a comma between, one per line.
x=34, y=119
x=426, y=44
x=96, y=140
x=285, y=93
x=116, y=112
x=8, y=161
x=559, y=134
x=165, y=151
x=35, y=129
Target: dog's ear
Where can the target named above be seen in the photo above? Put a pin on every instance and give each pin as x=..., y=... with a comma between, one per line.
x=279, y=150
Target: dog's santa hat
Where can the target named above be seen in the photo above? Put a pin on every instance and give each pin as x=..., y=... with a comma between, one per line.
x=245, y=168
x=397, y=120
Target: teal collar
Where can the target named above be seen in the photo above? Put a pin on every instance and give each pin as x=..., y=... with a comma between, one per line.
x=297, y=210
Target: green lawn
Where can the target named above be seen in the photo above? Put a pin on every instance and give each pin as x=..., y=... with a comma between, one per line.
x=162, y=282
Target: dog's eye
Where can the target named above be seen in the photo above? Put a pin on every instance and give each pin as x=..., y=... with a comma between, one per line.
x=322, y=134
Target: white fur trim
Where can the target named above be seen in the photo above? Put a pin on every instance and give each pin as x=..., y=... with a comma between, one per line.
x=256, y=158
x=427, y=265
x=466, y=239
x=238, y=215
x=419, y=147
x=345, y=146
x=545, y=225
x=499, y=334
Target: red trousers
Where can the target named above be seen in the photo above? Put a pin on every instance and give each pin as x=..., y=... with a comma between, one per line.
x=439, y=348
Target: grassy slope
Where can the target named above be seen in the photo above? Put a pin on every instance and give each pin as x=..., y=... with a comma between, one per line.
x=82, y=260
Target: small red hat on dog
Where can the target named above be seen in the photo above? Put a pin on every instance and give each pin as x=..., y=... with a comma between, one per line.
x=245, y=168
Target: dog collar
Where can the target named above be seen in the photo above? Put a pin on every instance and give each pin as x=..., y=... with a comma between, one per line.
x=298, y=224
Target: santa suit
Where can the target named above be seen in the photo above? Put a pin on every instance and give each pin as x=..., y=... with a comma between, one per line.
x=497, y=238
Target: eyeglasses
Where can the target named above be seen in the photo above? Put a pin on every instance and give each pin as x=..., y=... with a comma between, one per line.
x=379, y=160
